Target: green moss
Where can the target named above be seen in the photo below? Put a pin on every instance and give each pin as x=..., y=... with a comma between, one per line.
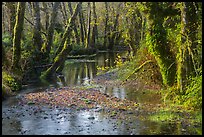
x=164, y=116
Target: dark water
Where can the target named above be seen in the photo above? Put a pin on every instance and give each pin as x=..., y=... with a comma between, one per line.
x=20, y=119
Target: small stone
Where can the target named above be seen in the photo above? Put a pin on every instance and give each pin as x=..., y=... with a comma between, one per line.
x=91, y=117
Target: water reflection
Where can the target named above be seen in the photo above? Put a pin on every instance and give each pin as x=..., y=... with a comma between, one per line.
x=80, y=72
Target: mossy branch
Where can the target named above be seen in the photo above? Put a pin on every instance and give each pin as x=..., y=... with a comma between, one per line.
x=137, y=69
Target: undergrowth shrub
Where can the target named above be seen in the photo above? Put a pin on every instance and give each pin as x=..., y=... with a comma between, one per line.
x=193, y=93
x=11, y=81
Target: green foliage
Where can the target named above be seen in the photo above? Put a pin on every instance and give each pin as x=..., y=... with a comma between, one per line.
x=11, y=81
x=78, y=50
x=7, y=40
x=165, y=116
x=193, y=93
x=27, y=51
x=118, y=61
x=57, y=38
x=191, y=98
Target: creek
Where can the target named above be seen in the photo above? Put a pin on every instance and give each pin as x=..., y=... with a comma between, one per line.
x=19, y=119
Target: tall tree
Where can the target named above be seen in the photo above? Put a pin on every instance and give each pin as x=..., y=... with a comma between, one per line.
x=94, y=38
x=64, y=47
x=12, y=14
x=113, y=31
x=134, y=27
x=37, y=27
x=157, y=40
x=88, y=26
x=64, y=12
x=49, y=40
x=82, y=26
x=106, y=31
x=77, y=38
x=45, y=9
x=18, y=28
x=3, y=19
x=186, y=65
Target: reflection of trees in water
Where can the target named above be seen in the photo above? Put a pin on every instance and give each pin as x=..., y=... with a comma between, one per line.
x=81, y=72
x=78, y=73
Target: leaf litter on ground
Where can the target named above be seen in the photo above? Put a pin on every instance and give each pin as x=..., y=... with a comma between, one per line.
x=79, y=99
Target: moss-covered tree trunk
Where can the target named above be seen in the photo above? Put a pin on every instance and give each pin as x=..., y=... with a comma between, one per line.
x=69, y=28
x=49, y=40
x=88, y=26
x=64, y=47
x=156, y=39
x=181, y=49
x=94, y=38
x=77, y=38
x=18, y=28
x=188, y=44
x=82, y=29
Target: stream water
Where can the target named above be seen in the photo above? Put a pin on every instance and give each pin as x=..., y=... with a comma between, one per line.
x=20, y=119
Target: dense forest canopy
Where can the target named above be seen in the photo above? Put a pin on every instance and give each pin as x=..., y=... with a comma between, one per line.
x=43, y=33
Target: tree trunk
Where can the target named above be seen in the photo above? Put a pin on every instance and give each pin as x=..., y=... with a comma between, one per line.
x=185, y=62
x=77, y=39
x=49, y=40
x=157, y=42
x=94, y=38
x=3, y=20
x=81, y=20
x=18, y=28
x=106, y=31
x=64, y=47
x=37, y=29
x=63, y=11
x=46, y=16
x=113, y=33
x=12, y=14
x=192, y=27
x=88, y=26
